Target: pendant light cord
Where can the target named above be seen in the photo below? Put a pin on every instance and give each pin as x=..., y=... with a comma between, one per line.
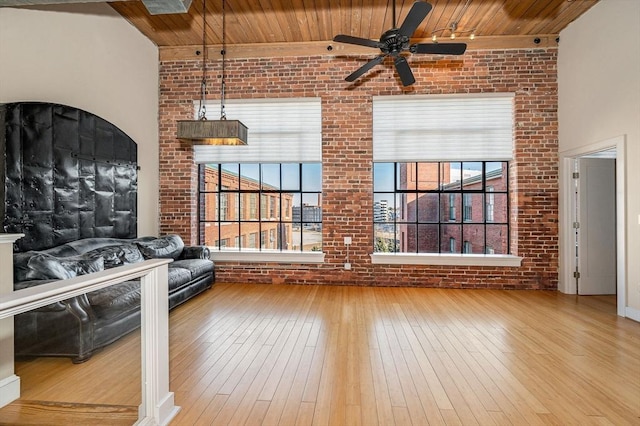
x=202, y=109
x=223, y=52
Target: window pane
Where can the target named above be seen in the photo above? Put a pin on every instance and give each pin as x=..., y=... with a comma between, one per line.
x=271, y=236
x=270, y=207
x=407, y=238
x=208, y=206
x=210, y=234
x=230, y=173
x=383, y=179
x=500, y=213
x=229, y=232
x=286, y=236
x=310, y=209
x=291, y=177
x=312, y=177
x=427, y=176
x=249, y=232
x=209, y=182
x=229, y=206
x=428, y=208
x=383, y=207
x=472, y=210
x=427, y=238
x=385, y=240
x=496, y=175
x=450, y=239
x=406, y=176
x=450, y=176
x=407, y=207
x=311, y=237
x=473, y=235
x=472, y=176
x=450, y=205
x=498, y=238
x=271, y=177
x=250, y=177
x=296, y=237
x=287, y=206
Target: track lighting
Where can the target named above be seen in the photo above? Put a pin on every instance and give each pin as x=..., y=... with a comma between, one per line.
x=453, y=29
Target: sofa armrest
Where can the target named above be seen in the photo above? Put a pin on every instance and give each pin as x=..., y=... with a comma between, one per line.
x=194, y=252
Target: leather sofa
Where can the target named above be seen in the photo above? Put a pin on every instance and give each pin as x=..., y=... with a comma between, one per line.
x=79, y=326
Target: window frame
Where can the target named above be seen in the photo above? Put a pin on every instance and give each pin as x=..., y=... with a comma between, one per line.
x=443, y=258
x=263, y=198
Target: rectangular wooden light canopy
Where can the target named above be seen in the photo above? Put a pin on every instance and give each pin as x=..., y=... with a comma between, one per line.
x=213, y=132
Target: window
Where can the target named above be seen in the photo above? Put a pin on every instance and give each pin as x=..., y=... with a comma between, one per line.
x=490, y=203
x=289, y=216
x=248, y=197
x=417, y=201
x=440, y=173
x=467, y=208
x=452, y=207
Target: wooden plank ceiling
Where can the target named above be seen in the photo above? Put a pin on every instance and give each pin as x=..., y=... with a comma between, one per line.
x=266, y=27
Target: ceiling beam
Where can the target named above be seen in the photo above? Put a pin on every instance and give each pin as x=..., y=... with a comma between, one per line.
x=331, y=48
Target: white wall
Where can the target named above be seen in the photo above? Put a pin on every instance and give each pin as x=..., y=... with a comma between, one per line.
x=599, y=99
x=87, y=56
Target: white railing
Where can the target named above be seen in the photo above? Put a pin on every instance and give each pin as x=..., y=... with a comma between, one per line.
x=157, y=407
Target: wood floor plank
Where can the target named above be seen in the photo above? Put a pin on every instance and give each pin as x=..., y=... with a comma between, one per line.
x=26, y=412
x=285, y=355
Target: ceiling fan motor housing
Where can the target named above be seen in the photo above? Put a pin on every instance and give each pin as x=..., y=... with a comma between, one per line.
x=394, y=42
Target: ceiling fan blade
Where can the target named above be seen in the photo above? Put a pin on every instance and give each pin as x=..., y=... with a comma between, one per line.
x=439, y=48
x=366, y=67
x=404, y=71
x=416, y=15
x=341, y=38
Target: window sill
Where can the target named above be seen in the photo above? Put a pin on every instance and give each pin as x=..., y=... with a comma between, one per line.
x=267, y=256
x=505, y=260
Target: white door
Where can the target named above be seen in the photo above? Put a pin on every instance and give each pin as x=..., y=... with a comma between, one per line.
x=596, y=236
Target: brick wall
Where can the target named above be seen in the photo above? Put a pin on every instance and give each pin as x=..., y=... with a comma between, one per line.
x=347, y=159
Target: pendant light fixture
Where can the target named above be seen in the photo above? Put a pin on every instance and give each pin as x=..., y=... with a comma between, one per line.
x=212, y=132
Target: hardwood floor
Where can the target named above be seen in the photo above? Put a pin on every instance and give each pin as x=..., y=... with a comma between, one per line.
x=315, y=355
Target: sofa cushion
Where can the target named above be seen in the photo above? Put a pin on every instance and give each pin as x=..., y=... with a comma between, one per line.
x=178, y=277
x=43, y=266
x=168, y=247
x=197, y=267
x=122, y=296
x=117, y=255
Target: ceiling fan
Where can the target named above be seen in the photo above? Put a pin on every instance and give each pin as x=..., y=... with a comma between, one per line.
x=397, y=40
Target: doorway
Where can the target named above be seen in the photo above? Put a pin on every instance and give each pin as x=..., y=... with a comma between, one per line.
x=595, y=223
x=592, y=220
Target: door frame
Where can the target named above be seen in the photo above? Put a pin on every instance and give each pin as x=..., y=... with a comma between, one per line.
x=567, y=209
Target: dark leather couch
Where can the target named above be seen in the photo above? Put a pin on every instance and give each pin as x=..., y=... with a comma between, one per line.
x=79, y=326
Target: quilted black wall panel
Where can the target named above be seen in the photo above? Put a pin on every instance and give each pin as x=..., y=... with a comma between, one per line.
x=67, y=173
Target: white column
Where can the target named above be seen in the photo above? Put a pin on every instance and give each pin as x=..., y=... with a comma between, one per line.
x=9, y=382
x=157, y=406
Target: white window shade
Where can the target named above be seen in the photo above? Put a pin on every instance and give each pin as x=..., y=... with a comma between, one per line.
x=280, y=131
x=443, y=128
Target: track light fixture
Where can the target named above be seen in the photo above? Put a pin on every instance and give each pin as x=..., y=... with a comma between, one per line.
x=453, y=28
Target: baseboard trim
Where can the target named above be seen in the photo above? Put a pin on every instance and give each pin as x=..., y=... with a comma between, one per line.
x=9, y=389
x=632, y=313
